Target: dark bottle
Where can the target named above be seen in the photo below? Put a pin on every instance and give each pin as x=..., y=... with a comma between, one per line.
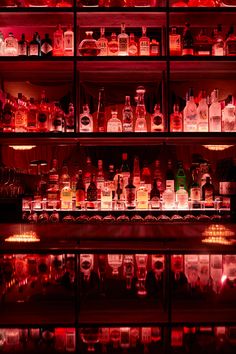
x=203, y=45
x=101, y=118
x=155, y=196
x=80, y=192
x=208, y=193
x=218, y=41
x=180, y=178
x=7, y=116
x=195, y=191
x=188, y=41
x=34, y=46
x=92, y=193
x=46, y=46
x=119, y=191
x=130, y=194
x=170, y=177
x=230, y=43
x=111, y=180
x=22, y=47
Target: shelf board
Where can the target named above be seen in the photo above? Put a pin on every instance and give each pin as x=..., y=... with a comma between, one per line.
x=120, y=9
x=200, y=9
x=18, y=59
x=36, y=9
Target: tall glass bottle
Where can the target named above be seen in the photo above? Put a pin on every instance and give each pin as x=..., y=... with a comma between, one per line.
x=190, y=114
x=32, y=116
x=202, y=113
x=80, y=192
x=218, y=42
x=106, y=196
x=101, y=117
x=182, y=198
x=21, y=115
x=208, y=193
x=127, y=114
x=141, y=262
x=113, y=45
x=140, y=124
x=66, y=196
x=58, y=42
x=43, y=114
x=125, y=170
x=115, y=262
x=170, y=177
x=136, y=172
x=175, y=42
x=144, y=43
x=188, y=41
x=22, y=46
x=142, y=196
x=100, y=179
x=102, y=43
x=180, y=178
x=92, y=193
x=46, y=46
x=155, y=196
x=215, y=112
x=133, y=46
x=123, y=42
x=85, y=120
x=157, y=120
x=69, y=41
x=35, y=46
x=228, y=116
x=146, y=176
x=176, y=120
x=70, y=119
x=230, y=43
x=130, y=196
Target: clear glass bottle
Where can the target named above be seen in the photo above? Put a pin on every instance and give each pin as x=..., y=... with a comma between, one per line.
x=176, y=120
x=229, y=266
x=43, y=114
x=88, y=46
x=86, y=120
x=142, y=196
x=102, y=43
x=11, y=45
x=86, y=265
x=106, y=197
x=2, y=44
x=182, y=198
x=123, y=42
x=58, y=42
x=155, y=196
x=133, y=46
x=190, y=114
x=216, y=271
x=191, y=269
x=195, y=191
x=113, y=45
x=157, y=120
x=141, y=262
x=218, y=42
x=114, y=124
x=127, y=115
x=115, y=262
x=8, y=123
x=32, y=116
x=168, y=199
x=230, y=43
x=215, y=112
x=101, y=117
x=202, y=113
x=128, y=269
x=66, y=197
x=140, y=124
x=22, y=46
x=204, y=270
x=228, y=116
x=144, y=43
x=21, y=115
x=175, y=42
x=69, y=41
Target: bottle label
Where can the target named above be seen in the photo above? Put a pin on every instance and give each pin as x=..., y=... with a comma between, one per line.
x=133, y=50
x=52, y=199
x=31, y=119
x=68, y=42
x=85, y=120
x=187, y=51
x=80, y=197
x=123, y=45
x=58, y=42
x=170, y=183
x=209, y=198
x=231, y=46
x=144, y=47
x=46, y=48
x=158, y=123
x=154, y=50
x=227, y=188
x=34, y=49
x=130, y=195
x=175, y=45
x=113, y=48
x=20, y=118
x=22, y=49
x=103, y=48
x=176, y=122
x=127, y=116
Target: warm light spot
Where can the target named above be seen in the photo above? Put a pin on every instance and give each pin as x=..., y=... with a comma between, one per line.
x=217, y=147
x=217, y=240
x=218, y=231
x=223, y=278
x=22, y=147
x=24, y=237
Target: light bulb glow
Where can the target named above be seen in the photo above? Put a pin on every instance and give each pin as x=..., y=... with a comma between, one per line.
x=22, y=147
x=217, y=147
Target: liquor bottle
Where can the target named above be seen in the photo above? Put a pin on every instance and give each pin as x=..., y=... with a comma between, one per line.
x=90, y=337
x=21, y=115
x=22, y=46
x=66, y=196
x=202, y=113
x=155, y=196
x=203, y=44
x=92, y=194
x=127, y=115
x=119, y=192
x=58, y=42
x=215, y=112
x=130, y=196
x=2, y=44
x=106, y=197
x=125, y=338
x=175, y=42
x=113, y=45
x=64, y=177
x=133, y=46
x=136, y=172
x=191, y=269
x=101, y=118
x=125, y=170
x=86, y=265
x=115, y=337
x=115, y=262
x=69, y=41
x=43, y=114
x=88, y=173
x=157, y=120
x=70, y=119
x=140, y=124
x=182, y=198
x=154, y=48
x=170, y=177
x=176, y=120
x=204, y=270
x=104, y=338
x=230, y=43
x=53, y=193
x=34, y=46
x=195, y=191
x=100, y=179
x=190, y=114
x=46, y=46
x=229, y=267
x=218, y=42
x=158, y=265
x=86, y=120
x=128, y=269
x=177, y=265
x=88, y=46
x=32, y=116
x=208, y=193
x=11, y=45
x=142, y=196
x=141, y=262
x=216, y=271
x=188, y=41
x=80, y=192
x=180, y=178
x=228, y=115
x=102, y=43
x=157, y=174
x=144, y=43
x=123, y=42
x=146, y=177
x=57, y=119
x=111, y=181
x=114, y=124
x=8, y=123
x=146, y=338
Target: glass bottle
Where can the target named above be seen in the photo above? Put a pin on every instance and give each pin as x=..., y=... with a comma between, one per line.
x=191, y=268
x=88, y=172
x=21, y=115
x=57, y=118
x=46, y=46
x=125, y=338
x=142, y=3
x=125, y=170
x=158, y=265
x=70, y=119
x=8, y=116
x=208, y=193
x=80, y=192
x=119, y=192
x=146, y=338
x=2, y=44
x=204, y=270
x=123, y=42
x=202, y=113
x=175, y=42
x=104, y=338
x=100, y=179
x=141, y=262
x=128, y=269
x=43, y=114
x=115, y=337
x=216, y=271
x=144, y=43
x=130, y=196
x=146, y=176
x=188, y=41
x=92, y=194
x=86, y=120
x=158, y=175
x=190, y=114
x=86, y=265
x=177, y=265
x=155, y=196
x=69, y=41
x=218, y=42
x=53, y=192
x=176, y=120
x=106, y=197
x=58, y=42
x=195, y=191
x=133, y=46
x=140, y=124
x=113, y=45
x=136, y=173
x=111, y=181
x=115, y=262
x=215, y=112
x=88, y=46
x=154, y=48
x=102, y=43
x=180, y=178
x=32, y=116
x=157, y=120
x=168, y=199
x=182, y=198
x=170, y=177
x=90, y=336
x=66, y=197
x=203, y=43
x=230, y=43
x=22, y=46
x=35, y=46
x=229, y=266
x=128, y=118
x=114, y=124
x=64, y=177
x=142, y=196
x=228, y=116
x=11, y=45
x=101, y=117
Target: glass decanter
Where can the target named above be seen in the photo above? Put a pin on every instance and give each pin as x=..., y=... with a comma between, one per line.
x=88, y=46
x=86, y=265
x=128, y=269
x=90, y=336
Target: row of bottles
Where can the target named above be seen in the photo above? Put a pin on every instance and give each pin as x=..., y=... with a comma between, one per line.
x=121, y=45
x=29, y=115
x=62, y=44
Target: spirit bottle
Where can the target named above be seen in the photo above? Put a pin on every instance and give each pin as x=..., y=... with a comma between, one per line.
x=80, y=192
x=102, y=43
x=180, y=178
x=187, y=41
x=115, y=337
x=101, y=118
x=218, y=42
x=195, y=191
x=215, y=113
x=144, y=43
x=70, y=119
x=104, y=338
x=168, y=199
x=133, y=47
x=92, y=194
x=208, y=193
x=136, y=172
x=88, y=172
x=154, y=48
x=204, y=270
x=70, y=340
x=134, y=336
x=146, y=338
x=43, y=114
x=22, y=46
x=140, y=124
x=46, y=46
x=202, y=114
x=113, y=45
x=155, y=196
x=228, y=116
x=119, y=192
x=190, y=114
x=157, y=120
x=8, y=116
x=125, y=338
x=85, y=120
x=21, y=115
x=106, y=197
x=111, y=181
x=11, y=45
x=216, y=271
x=35, y=46
x=57, y=118
x=86, y=265
x=115, y=262
x=127, y=114
x=157, y=174
x=177, y=265
x=32, y=116
x=58, y=42
x=182, y=198
x=88, y=46
x=141, y=261
x=2, y=44
x=128, y=269
x=53, y=193
x=69, y=42
x=64, y=177
x=130, y=194
x=191, y=266
x=100, y=179
x=66, y=197
x=230, y=43
x=125, y=170
x=176, y=120
x=175, y=42
x=146, y=177
x=123, y=42
x=203, y=44
x=158, y=265
x=90, y=336
x=170, y=177
x=229, y=267
x=114, y=124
